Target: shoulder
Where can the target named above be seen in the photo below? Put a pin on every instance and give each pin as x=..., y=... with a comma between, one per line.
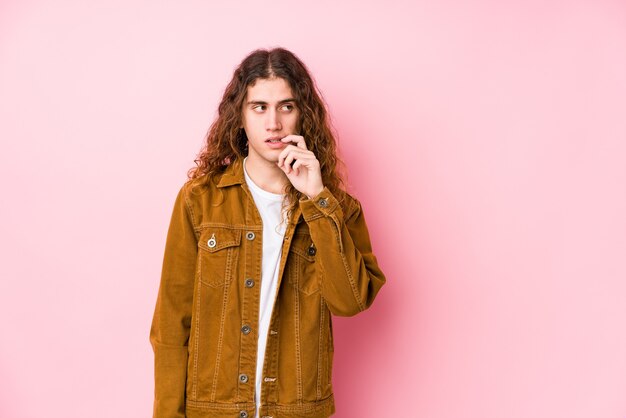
x=196, y=188
x=200, y=194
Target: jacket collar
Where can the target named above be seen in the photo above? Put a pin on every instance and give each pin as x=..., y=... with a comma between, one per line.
x=233, y=174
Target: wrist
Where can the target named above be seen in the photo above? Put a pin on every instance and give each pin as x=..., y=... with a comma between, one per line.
x=314, y=195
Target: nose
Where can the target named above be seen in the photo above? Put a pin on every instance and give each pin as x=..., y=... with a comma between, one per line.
x=272, y=123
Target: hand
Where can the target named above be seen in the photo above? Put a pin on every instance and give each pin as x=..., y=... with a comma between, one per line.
x=305, y=174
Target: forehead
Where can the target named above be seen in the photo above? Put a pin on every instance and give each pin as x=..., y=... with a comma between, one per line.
x=269, y=90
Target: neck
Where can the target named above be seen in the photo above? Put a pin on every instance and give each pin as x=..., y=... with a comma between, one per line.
x=267, y=175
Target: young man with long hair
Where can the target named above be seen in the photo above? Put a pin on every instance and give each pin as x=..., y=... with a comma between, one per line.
x=264, y=244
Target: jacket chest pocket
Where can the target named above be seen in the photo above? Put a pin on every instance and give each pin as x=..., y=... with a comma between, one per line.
x=218, y=252
x=302, y=265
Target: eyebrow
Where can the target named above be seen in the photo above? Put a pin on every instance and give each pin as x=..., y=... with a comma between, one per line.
x=261, y=102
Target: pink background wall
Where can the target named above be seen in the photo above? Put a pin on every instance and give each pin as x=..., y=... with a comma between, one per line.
x=486, y=140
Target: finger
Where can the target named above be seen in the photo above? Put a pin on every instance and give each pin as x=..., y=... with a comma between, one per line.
x=284, y=169
x=291, y=159
x=307, y=161
x=300, y=152
x=291, y=152
x=296, y=139
x=284, y=153
x=296, y=166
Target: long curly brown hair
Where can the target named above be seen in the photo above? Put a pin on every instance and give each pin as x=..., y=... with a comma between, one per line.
x=226, y=141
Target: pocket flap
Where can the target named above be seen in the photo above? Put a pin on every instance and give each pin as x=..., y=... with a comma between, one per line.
x=303, y=246
x=216, y=239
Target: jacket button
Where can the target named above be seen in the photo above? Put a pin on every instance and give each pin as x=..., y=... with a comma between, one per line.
x=312, y=250
x=243, y=414
x=323, y=202
x=249, y=282
x=246, y=329
x=250, y=236
x=211, y=243
x=243, y=378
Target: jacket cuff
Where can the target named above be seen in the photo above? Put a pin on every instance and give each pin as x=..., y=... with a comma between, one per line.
x=324, y=204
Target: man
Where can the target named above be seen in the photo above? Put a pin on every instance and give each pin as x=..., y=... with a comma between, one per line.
x=263, y=245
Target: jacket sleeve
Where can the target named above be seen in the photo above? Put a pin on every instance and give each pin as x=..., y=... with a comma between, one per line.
x=350, y=276
x=169, y=334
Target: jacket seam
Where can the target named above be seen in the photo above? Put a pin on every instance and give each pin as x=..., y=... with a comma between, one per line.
x=337, y=232
x=296, y=296
x=190, y=211
x=355, y=291
x=221, y=335
x=320, y=350
x=194, y=385
x=240, y=227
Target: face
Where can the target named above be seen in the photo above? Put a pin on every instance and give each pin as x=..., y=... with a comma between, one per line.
x=269, y=113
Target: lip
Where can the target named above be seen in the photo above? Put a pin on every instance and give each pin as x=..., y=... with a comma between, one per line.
x=275, y=145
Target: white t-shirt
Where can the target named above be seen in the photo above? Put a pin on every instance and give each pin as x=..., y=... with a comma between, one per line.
x=269, y=206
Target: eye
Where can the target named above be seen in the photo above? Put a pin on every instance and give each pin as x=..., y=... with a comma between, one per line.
x=287, y=107
x=259, y=108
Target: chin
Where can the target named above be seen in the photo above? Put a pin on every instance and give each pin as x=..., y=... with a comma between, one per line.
x=270, y=158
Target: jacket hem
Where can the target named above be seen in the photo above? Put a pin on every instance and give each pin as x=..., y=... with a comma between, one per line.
x=320, y=409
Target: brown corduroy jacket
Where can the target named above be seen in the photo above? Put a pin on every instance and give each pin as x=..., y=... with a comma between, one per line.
x=204, y=327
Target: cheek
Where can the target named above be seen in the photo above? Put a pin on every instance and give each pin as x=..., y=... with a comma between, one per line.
x=248, y=123
x=297, y=122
